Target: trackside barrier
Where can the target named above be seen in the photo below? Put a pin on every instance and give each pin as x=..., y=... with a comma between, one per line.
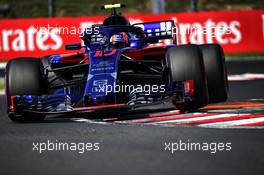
x=236, y=31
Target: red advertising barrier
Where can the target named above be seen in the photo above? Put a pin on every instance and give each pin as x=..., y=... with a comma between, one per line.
x=236, y=31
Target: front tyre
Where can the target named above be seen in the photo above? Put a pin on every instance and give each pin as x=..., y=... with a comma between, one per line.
x=185, y=62
x=24, y=76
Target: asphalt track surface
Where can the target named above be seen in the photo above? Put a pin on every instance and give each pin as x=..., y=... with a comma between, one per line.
x=135, y=149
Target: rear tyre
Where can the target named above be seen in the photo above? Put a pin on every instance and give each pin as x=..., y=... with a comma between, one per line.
x=215, y=70
x=185, y=62
x=24, y=76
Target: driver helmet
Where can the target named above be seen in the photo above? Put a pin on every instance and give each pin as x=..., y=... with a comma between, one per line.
x=119, y=40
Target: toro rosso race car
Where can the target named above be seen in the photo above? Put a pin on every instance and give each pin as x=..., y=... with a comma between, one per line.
x=119, y=65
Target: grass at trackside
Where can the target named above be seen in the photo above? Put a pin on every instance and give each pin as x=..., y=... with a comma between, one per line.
x=244, y=56
x=1, y=84
x=1, y=78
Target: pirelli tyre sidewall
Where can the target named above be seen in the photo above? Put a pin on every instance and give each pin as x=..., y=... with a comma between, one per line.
x=24, y=76
x=185, y=62
x=215, y=69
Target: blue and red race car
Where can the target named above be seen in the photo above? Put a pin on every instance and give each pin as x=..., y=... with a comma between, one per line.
x=119, y=66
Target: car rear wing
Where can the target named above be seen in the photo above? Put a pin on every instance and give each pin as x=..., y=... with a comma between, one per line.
x=158, y=30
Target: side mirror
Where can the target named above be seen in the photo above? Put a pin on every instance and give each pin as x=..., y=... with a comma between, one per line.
x=73, y=46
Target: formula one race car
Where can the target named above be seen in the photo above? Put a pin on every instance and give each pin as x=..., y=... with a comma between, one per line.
x=120, y=65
